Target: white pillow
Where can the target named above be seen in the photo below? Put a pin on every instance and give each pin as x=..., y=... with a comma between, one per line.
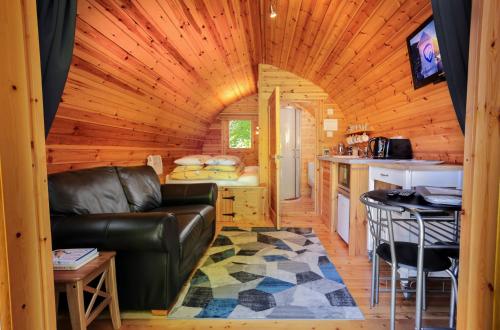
x=223, y=160
x=192, y=160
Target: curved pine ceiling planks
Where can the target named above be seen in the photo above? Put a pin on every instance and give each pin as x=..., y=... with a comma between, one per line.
x=193, y=58
x=168, y=67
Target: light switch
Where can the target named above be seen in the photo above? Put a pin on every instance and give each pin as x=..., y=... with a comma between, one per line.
x=329, y=134
x=329, y=111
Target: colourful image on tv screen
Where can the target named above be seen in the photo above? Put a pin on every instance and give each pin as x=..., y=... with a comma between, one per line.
x=425, y=53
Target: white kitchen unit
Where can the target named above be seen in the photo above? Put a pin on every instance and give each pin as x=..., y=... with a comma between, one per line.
x=409, y=176
x=398, y=176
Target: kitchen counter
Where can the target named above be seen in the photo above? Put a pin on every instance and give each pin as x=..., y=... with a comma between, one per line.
x=398, y=164
x=341, y=210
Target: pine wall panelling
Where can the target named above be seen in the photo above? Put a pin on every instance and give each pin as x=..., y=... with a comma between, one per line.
x=151, y=76
x=216, y=141
x=292, y=88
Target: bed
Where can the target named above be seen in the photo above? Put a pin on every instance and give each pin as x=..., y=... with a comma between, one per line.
x=242, y=201
x=249, y=178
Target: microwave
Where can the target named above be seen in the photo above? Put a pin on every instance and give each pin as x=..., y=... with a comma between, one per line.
x=344, y=176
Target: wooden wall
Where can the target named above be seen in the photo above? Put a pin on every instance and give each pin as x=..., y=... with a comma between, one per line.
x=146, y=78
x=150, y=77
x=216, y=141
x=292, y=88
x=356, y=51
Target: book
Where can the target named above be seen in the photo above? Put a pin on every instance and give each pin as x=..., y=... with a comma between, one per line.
x=77, y=265
x=72, y=258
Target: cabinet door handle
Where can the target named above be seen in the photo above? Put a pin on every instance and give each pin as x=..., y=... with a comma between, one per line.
x=230, y=214
x=229, y=197
x=383, y=174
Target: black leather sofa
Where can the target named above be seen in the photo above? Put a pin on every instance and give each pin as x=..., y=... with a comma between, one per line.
x=158, y=231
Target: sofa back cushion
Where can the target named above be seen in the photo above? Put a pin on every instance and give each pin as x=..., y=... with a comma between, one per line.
x=90, y=191
x=141, y=186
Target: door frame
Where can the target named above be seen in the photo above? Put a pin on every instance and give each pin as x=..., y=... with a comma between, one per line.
x=318, y=109
x=24, y=170
x=477, y=293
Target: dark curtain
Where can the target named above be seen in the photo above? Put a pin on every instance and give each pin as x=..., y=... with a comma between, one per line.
x=452, y=20
x=56, y=34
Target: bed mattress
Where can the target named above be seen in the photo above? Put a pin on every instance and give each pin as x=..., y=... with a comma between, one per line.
x=250, y=177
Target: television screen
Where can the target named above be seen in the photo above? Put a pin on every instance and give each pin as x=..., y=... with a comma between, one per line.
x=425, y=58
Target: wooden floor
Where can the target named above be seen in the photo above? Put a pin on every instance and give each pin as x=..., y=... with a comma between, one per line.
x=303, y=205
x=356, y=274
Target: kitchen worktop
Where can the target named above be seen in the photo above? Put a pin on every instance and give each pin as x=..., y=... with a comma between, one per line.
x=401, y=164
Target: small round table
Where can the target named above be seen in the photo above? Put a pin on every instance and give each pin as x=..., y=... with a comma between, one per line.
x=415, y=205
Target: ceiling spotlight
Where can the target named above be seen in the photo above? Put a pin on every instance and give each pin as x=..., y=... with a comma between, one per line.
x=273, y=13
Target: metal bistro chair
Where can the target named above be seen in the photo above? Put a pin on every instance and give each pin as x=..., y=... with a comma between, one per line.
x=399, y=254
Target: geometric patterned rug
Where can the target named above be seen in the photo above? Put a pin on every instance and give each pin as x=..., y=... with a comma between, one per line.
x=264, y=273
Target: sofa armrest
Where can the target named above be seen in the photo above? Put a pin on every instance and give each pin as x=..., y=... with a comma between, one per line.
x=189, y=194
x=152, y=231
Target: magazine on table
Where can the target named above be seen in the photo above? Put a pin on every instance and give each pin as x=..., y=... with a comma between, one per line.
x=442, y=196
x=71, y=259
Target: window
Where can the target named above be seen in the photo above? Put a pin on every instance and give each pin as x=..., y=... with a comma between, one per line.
x=240, y=134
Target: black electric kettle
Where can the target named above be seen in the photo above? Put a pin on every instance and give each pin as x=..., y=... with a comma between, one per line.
x=377, y=147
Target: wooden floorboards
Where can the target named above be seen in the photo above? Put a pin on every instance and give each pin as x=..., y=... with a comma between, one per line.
x=356, y=274
x=302, y=205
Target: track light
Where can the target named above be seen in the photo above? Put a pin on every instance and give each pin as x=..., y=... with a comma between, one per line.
x=273, y=13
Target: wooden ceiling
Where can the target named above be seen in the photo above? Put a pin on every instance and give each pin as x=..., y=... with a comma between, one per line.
x=192, y=58
x=164, y=69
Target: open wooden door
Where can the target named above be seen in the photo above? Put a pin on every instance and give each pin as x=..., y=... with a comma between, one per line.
x=274, y=157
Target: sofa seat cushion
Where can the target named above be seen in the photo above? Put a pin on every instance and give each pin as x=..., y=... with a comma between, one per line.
x=141, y=186
x=207, y=212
x=89, y=191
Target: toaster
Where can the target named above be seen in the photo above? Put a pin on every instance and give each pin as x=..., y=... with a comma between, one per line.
x=398, y=149
x=384, y=148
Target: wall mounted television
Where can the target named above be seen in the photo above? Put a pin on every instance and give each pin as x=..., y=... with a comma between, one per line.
x=424, y=55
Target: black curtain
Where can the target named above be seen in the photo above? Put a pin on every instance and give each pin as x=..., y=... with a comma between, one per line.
x=56, y=34
x=452, y=20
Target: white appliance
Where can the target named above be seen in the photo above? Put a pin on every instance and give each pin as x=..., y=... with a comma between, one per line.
x=343, y=216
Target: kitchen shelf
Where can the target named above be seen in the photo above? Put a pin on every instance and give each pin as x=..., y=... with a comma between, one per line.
x=358, y=132
x=353, y=143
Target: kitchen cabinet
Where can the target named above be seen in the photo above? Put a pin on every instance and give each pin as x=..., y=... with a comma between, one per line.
x=327, y=205
x=241, y=205
x=355, y=229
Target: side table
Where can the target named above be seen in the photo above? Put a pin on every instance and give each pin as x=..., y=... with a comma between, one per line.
x=75, y=283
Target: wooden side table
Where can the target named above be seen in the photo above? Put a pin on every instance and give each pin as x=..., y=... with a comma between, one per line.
x=75, y=283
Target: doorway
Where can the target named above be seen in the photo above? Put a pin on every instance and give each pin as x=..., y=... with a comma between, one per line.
x=298, y=137
x=291, y=153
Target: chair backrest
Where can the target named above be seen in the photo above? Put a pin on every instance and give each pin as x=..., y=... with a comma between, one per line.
x=141, y=186
x=380, y=222
x=89, y=191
